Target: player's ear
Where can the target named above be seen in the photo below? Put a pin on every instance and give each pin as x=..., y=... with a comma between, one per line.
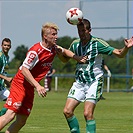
x=90, y=30
x=45, y=36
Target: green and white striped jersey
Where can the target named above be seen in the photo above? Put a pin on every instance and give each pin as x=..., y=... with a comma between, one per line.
x=93, y=68
x=4, y=65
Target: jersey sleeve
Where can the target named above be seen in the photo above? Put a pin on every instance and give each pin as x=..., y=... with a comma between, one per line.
x=30, y=60
x=71, y=48
x=73, y=45
x=104, y=47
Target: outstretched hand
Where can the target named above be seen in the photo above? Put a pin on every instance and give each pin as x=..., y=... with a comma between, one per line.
x=129, y=42
x=41, y=91
x=59, y=49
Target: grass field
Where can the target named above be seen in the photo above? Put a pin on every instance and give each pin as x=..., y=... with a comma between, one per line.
x=113, y=115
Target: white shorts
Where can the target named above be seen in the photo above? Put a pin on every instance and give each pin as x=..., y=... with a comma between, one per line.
x=87, y=92
x=4, y=94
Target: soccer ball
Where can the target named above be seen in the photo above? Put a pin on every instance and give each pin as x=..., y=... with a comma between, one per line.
x=74, y=16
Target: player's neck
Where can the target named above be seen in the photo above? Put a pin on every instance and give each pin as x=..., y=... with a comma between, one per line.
x=46, y=45
x=86, y=40
x=5, y=53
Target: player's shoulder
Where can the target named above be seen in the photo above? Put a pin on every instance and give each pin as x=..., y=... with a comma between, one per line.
x=74, y=43
x=1, y=53
x=76, y=40
x=35, y=47
x=99, y=40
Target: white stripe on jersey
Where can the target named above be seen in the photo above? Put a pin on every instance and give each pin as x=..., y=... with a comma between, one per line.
x=30, y=60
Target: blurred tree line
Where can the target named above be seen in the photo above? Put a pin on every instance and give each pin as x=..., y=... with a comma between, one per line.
x=116, y=65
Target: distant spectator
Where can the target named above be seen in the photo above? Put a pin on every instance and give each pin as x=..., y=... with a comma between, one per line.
x=48, y=79
x=4, y=65
x=107, y=69
x=108, y=74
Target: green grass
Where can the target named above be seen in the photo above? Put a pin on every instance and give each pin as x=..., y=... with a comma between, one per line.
x=113, y=115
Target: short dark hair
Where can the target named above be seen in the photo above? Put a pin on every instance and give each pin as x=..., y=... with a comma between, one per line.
x=6, y=40
x=86, y=23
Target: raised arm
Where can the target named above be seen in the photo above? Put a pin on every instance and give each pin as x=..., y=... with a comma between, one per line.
x=8, y=79
x=65, y=54
x=28, y=76
x=122, y=52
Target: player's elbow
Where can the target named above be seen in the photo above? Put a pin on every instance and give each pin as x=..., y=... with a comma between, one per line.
x=119, y=53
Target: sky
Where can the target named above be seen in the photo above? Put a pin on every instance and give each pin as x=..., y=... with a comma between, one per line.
x=21, y=21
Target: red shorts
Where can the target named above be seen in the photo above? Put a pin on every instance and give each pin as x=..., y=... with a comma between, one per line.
x=21, y=98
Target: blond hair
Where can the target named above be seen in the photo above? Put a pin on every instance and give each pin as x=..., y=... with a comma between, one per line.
x=47, y=27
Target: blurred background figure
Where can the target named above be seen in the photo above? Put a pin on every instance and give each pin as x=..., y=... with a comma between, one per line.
x=4, y=65
x=107, y=70
x=48, y=79
x=108, y=74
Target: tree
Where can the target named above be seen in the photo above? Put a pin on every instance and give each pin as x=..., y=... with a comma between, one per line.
x=20, y=52
x=19, y=56
x=65, y=41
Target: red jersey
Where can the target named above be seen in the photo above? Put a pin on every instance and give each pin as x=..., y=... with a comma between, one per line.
x=38, y=60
